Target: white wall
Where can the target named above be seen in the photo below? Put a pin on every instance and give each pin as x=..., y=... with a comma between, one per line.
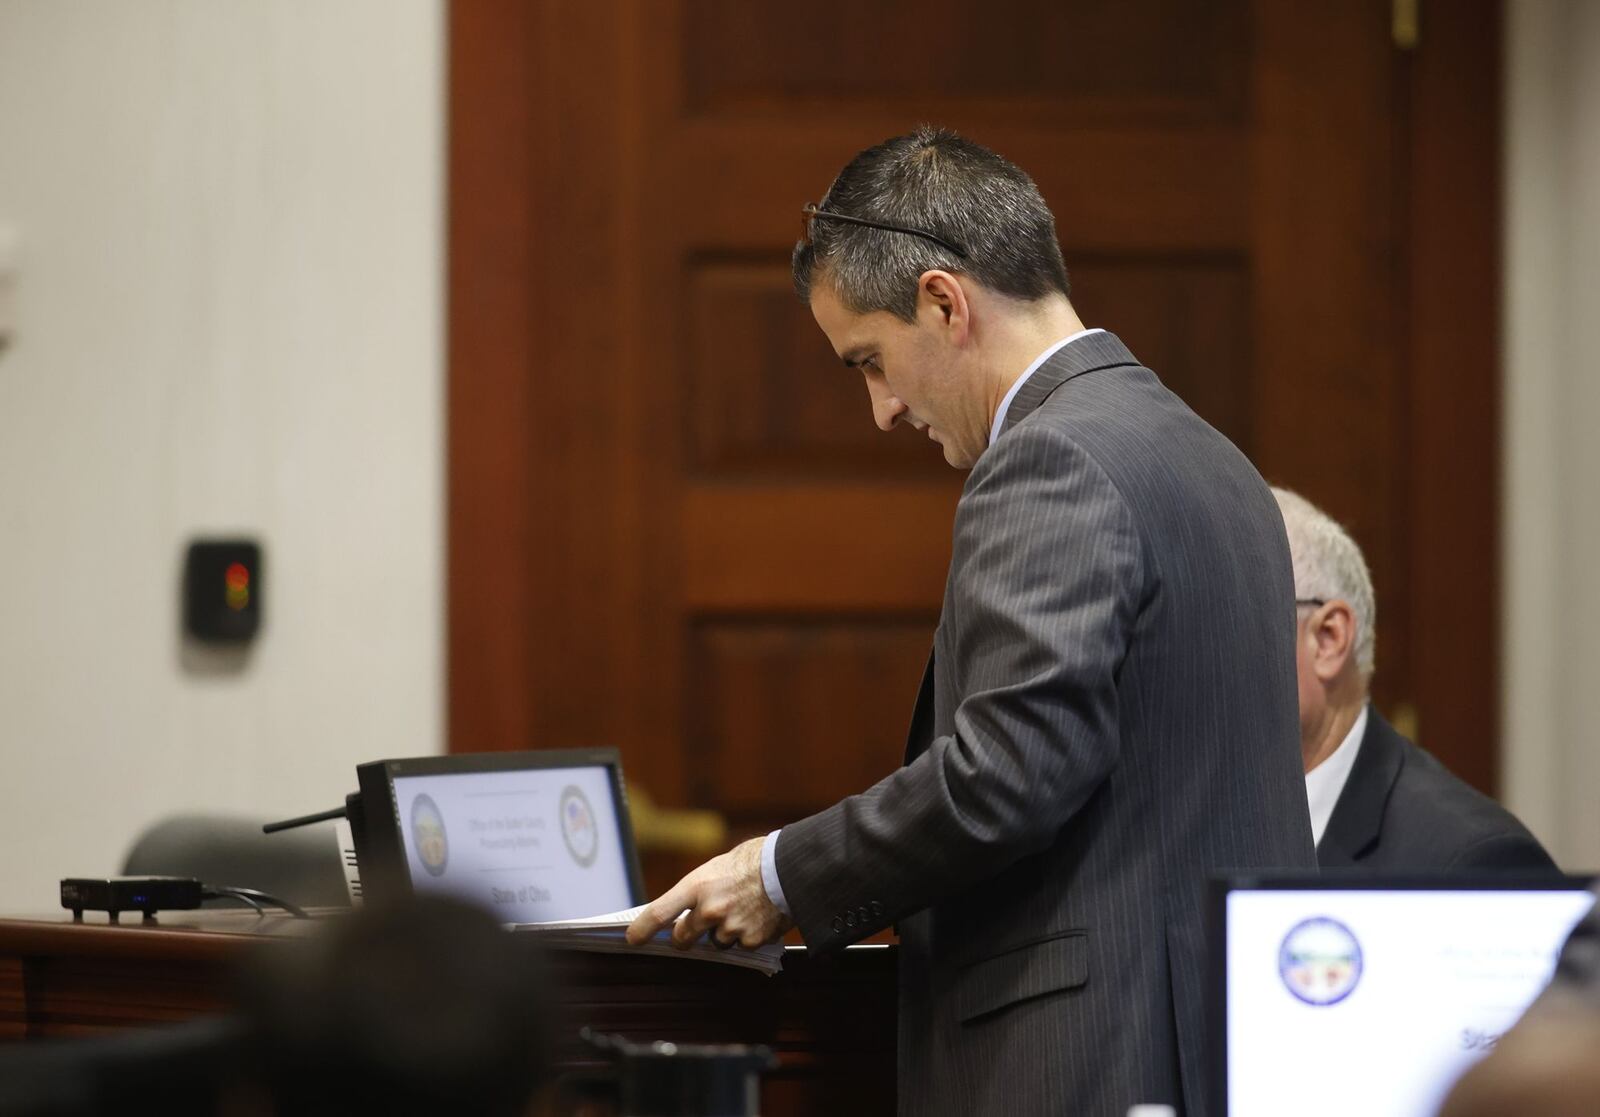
x=228, y=318
x=1552, y=425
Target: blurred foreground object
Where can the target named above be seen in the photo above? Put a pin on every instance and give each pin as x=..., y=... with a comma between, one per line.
x=426, y=1007
x=422, y=1007
x=178, y=1070
x=1547, y=1066
x=677, y=1079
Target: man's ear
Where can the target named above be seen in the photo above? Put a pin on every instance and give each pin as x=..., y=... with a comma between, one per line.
x=941, y=296
x=1334, y=628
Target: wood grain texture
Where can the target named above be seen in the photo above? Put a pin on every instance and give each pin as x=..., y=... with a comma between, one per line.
x=488, y=412
x=13, y=1000
x=1452, y=306
x=1108, y=60
x=828, y=700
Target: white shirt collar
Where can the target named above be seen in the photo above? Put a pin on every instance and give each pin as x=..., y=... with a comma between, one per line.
x=1326, y=781
x=1005, y=403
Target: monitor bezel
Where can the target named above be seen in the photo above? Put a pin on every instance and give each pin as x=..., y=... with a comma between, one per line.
x=387, y=875
x=1341, y=880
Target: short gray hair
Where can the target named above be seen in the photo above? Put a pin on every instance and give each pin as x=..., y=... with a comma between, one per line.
x=1329, y=565
x=950, y=189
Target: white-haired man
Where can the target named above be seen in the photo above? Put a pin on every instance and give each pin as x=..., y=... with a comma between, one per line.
x=1377, y=801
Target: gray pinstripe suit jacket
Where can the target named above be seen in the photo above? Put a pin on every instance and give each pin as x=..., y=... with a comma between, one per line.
x=1108, y=717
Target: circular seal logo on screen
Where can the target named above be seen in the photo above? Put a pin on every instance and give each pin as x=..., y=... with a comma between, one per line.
x=578, y=828
x=427, y=833
x=1320, y=961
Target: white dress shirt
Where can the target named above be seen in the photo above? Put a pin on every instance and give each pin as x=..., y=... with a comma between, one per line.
x=769, y=848
x=1326, y=781
x=1005, y=402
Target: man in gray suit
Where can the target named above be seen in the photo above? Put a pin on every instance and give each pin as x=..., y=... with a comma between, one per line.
x=1109, y=713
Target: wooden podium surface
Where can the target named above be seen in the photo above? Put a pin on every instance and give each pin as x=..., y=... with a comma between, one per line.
x=831, y=1023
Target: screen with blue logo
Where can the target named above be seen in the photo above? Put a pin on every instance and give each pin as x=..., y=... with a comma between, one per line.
x=530, y=845
x=1374, y=1001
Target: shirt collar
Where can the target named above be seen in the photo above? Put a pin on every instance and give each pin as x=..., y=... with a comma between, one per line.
x=1005, y=402
x=1326, y=781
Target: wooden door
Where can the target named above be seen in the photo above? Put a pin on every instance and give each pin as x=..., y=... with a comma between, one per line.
x=673, y=526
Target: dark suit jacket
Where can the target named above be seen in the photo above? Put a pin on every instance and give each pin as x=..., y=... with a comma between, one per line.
x=1109, y=717
x=1403, y=811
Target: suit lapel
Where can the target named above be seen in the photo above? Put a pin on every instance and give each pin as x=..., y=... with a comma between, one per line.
x=1087, y=354
x=1357, y=818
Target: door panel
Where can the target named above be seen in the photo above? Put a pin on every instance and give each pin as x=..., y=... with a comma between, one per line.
x=673, y=525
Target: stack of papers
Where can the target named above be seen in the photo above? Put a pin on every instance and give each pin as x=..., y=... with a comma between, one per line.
x=606, y=934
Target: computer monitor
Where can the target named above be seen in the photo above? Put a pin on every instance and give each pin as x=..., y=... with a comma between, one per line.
x=531, y=836
x=1370, y=995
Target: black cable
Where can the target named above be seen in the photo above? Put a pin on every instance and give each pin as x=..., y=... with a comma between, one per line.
x=252, y=894
x=255, y=898
x=228, y=894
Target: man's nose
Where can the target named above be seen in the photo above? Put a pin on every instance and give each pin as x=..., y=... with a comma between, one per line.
x=886, y=409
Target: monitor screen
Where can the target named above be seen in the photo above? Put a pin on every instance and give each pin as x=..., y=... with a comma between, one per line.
x=1373, y=998
x=529, y=836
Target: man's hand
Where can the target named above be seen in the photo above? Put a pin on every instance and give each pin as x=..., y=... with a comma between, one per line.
x=725, y=897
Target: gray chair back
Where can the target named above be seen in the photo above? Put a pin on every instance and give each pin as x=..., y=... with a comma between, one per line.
x=302, y=866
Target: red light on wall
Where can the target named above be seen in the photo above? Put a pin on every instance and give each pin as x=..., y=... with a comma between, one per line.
x=237, y=580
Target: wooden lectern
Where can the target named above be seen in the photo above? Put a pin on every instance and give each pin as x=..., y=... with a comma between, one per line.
x=831, y=1023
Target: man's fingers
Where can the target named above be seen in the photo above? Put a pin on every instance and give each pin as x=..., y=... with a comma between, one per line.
x=710, y=899
x=694, y=923
x=661, y=912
